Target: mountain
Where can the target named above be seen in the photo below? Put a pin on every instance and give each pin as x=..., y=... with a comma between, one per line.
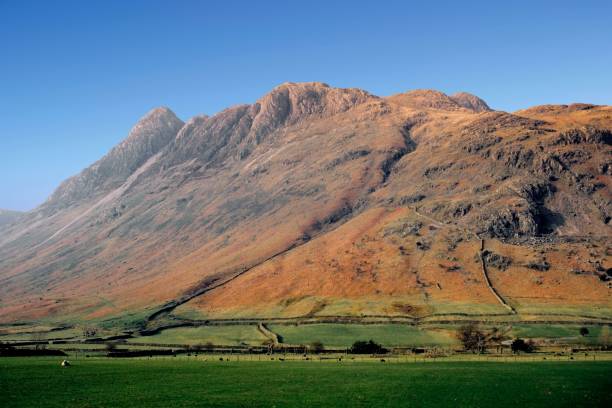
x=318, y=201
x=8, y=217
x=153, y=132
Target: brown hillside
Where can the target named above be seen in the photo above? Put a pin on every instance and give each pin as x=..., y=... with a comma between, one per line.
x=318, y=201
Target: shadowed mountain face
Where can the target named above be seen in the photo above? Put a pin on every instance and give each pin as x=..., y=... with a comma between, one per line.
x=323, y=201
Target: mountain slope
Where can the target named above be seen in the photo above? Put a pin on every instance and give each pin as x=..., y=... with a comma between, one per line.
x=8, y=217
x=323, y=201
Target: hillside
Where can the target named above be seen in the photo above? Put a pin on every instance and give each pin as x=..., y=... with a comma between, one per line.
x=8, y=217
x=317, y=201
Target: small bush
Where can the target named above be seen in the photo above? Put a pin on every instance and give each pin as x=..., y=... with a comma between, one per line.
x=519, y=345
x=317, y=347
x=367, y=347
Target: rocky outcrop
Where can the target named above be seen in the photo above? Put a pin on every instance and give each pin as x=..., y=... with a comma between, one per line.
x=426, y=99
x=586, y=134
x=496, y=261
x=236, y=132
x=471, y=102
x=291, y=103
x=507, y=222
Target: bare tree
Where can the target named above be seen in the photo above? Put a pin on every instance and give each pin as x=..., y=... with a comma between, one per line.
x=472, y=338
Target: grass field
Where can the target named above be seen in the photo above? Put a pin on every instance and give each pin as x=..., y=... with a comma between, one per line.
x=40, y=334
x=225, y=335
x=597, y=334
x=344, y=335
x=163, y=382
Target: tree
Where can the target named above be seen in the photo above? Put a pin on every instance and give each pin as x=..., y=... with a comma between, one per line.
x=584, y=331
x=472, y=338
x=89, y=332
x=367, y=347
x=519, y=345
x=317, y=347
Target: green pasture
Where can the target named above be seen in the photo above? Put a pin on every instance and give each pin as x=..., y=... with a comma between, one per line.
x=218, y=335
x=164, y=382
x=344, y=335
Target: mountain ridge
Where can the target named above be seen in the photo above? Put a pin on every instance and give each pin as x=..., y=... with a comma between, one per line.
x=316, y=200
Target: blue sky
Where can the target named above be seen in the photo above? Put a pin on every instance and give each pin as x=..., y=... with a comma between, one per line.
x=76, y=75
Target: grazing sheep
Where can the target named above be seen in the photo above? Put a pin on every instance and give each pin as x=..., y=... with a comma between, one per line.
x=65, y=363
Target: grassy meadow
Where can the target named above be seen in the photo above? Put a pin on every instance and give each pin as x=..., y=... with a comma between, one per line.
x=163, y=382
x=219, y=335
x=344, y=335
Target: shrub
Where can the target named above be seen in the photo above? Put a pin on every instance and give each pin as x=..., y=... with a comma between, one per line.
x=367, y=347
x=317, y=347
x=584, y=331
x=519, y=345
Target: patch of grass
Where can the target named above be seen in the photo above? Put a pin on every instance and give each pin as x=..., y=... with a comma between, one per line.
x=343, y=335
x=163, y=382
x=42, y=335
x=601, y=311
x=218, y=335
x=571, y=333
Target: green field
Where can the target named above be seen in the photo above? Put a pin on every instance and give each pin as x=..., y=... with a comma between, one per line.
x=344, y=335
x=221, y=335
x=165, y=382
x=41, y=335
x=570, y=333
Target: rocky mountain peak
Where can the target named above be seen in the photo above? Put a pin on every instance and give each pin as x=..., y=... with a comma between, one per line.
x=291, y=102
x=236, y=131
x=471, y=102
x=425, y=99
x=145, y=129
x=150, y=134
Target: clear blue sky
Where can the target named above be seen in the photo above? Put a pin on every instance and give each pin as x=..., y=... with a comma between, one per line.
x=76, y=75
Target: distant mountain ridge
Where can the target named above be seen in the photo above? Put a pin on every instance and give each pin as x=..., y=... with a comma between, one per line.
x=317, y=201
